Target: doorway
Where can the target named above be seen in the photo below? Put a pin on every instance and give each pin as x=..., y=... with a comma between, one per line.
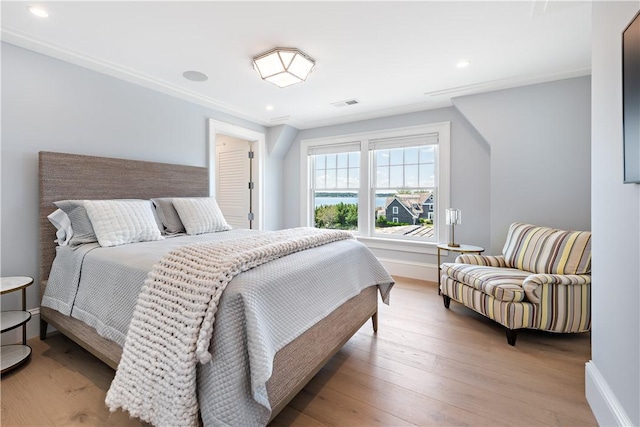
x=235, y=179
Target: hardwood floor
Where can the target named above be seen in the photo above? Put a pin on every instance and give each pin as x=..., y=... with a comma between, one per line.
x=425, y=366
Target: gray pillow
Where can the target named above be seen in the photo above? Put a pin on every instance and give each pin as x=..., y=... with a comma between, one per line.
x=168, y=215
x=80, y=223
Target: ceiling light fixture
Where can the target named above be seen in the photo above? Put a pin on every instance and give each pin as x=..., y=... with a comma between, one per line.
x=463, y=63
x=283, y=66
x=38, y=11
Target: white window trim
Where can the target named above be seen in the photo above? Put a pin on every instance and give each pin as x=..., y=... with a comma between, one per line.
x=365, y=222
x=395, y=210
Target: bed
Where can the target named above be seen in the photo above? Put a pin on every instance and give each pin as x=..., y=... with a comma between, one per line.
x=69, y=176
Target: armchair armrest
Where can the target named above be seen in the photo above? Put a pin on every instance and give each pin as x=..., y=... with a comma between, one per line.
x=487, y=260
x=562, y=300
x=534, y=284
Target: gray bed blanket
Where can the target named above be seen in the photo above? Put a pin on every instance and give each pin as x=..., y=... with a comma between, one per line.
x=260, y=312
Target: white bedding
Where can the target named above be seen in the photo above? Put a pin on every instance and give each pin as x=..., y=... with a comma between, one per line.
x=261, y=311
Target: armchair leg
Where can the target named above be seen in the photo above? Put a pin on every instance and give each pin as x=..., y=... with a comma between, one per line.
x=446, y=300
x=512, y=334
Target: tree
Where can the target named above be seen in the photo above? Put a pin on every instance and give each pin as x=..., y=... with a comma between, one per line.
x=351, y=219
x=341, y=216
x=325, y=216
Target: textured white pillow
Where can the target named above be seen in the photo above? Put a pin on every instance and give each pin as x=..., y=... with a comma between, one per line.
x=117, y=222
x=200, y=215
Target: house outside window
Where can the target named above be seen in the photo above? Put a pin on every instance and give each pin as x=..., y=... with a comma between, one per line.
x=385, y=185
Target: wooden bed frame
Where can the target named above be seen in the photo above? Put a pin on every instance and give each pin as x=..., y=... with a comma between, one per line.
x=76, y=177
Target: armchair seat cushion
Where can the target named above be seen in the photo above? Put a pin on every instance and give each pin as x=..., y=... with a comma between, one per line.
x=504, y=284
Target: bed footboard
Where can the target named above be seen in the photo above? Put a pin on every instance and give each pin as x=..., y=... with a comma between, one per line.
x=83, y=335
x=296, y=363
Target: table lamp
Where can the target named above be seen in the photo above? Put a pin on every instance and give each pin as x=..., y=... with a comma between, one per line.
x=453, y=218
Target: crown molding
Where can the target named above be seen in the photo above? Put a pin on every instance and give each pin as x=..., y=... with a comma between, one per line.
x=434, y=99
x=121, y=72
x=506, y=83
x=375, y=114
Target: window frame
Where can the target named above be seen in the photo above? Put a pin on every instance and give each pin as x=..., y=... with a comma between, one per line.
x=366, y=201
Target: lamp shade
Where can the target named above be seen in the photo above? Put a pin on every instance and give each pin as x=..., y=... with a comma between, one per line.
x=453, y=216
x=283, y=66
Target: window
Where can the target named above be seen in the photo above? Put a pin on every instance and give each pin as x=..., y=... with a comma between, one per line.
x=335, y=186
x=391, y=185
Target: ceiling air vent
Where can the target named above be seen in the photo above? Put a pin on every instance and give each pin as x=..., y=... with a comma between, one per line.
x=345, y=103
x=283, y=119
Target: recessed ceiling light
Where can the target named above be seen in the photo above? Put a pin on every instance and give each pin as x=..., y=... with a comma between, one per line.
x=269, y=107
x=463, y=63
x=195, y=76
x=38, y=11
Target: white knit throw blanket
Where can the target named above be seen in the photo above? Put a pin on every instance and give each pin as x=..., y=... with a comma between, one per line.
x=172, y=325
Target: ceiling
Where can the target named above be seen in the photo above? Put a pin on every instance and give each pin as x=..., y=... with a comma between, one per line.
x=393, y=57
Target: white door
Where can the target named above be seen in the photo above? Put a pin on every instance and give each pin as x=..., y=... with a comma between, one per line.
x=232, y=179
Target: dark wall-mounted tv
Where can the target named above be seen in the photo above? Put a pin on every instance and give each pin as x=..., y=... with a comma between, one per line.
x=631, y=100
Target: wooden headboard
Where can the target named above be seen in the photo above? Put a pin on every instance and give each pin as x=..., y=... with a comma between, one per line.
x=75, y=177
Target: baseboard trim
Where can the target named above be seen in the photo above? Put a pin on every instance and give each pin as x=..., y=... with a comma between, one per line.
x=410, y=269
x=603, y=402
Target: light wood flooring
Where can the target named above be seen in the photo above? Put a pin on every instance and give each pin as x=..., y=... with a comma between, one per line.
x=426, y=366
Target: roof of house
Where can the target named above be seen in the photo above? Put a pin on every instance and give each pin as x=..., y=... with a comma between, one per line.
x=411, y=202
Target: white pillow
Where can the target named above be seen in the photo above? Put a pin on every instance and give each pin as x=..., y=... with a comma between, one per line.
x=61, y=221
x=200, y=215
x=117, y=222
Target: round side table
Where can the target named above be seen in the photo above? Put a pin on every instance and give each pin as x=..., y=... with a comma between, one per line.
x=15, y=355
x=463, y=249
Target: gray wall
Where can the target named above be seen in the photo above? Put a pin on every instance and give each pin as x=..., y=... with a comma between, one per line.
x=469, y=174
x=279, y=139
x=51, y=105
x=616, y=234
x=520, y=154
x=540, y=153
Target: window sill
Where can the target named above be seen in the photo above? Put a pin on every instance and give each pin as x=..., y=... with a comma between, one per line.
x=428, y=248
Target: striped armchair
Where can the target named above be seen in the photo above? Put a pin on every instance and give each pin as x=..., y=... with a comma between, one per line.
x=542, y=280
